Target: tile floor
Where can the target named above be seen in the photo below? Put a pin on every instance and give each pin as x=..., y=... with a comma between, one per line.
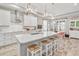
x=70, y=47
x=10, y=50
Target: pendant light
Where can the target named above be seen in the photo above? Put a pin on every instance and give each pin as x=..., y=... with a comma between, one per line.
x=30, y=10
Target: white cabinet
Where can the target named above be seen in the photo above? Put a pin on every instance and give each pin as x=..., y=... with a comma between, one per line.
x=30, y=20
x=4, y=17
x=74, y=34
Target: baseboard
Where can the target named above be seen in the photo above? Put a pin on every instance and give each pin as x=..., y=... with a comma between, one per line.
x=74, y=38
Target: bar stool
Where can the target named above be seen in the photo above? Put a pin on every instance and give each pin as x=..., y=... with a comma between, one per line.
x=52, y=40
x=34, y=50
x=54, y=44
x=46, y=47
x=60, y=44
x=61, y=35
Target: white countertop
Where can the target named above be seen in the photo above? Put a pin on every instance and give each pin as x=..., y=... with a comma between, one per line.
x=10, y=31
x=25, y=38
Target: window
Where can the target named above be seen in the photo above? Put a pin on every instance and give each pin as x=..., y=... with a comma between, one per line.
x=45, y=26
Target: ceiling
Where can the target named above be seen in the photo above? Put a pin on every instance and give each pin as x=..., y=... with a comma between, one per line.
x=53, y=8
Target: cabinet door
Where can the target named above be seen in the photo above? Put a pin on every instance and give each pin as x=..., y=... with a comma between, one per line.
x=74, y=34
x=4, y=17
x=30, y=20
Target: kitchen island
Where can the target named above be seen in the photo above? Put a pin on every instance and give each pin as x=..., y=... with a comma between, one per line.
x=24, y=39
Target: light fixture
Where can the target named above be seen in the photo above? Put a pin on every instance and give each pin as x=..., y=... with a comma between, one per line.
x=45, y=13
x=29, y=9
x=53, y=3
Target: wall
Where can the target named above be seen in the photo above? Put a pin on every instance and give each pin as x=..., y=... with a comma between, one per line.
x=67, y=26
x=14, y=28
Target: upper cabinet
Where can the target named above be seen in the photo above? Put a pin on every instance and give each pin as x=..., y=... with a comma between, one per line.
x=4, y=17
x=30, y=20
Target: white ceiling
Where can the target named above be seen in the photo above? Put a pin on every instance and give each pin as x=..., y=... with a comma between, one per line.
x=53, y=8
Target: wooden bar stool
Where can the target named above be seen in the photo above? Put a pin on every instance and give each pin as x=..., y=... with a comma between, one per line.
x=46, y=47
x=34, y=50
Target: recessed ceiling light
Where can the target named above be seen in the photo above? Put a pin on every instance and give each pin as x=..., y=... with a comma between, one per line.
x=75, y=4
x=53, y=3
